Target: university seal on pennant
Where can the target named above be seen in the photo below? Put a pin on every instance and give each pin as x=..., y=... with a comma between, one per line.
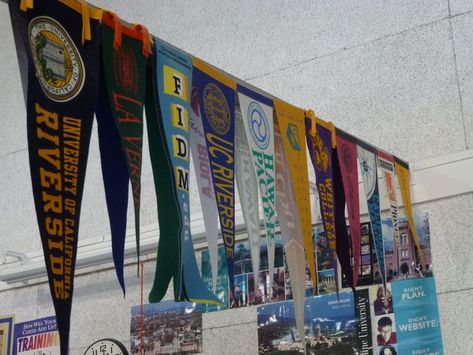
x=216, y=108
x=259, y=126
x=59, y=67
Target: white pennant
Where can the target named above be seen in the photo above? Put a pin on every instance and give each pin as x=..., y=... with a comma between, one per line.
x=289, y=222
x=258, y=121
x=248, y=191
x=205, y=185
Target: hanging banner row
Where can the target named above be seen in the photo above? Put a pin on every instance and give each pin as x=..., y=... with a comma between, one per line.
x=78, y=62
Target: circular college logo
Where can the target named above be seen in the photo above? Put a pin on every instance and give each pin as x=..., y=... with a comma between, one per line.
x=216, y=109
x=126, y=70
x=59, y=67
x=259, y=126
x=322, y=159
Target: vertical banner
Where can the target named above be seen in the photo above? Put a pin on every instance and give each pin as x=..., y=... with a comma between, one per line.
x=290, y=224
x=248, y=190
x=369, y=172
x=342, y=236
x=63, y=77
x=174, y=76
x=386, y=164
x=291, y=123
x=347, y=159
x=417, y=316
x=363, y=316
x=120, y=125
x=39, y=336
x=217, y=99
x=403, y=177
x=257, y=114
x=204, y=180
x=320, y=143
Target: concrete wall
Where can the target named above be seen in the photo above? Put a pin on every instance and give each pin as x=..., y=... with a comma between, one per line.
x=396, y=73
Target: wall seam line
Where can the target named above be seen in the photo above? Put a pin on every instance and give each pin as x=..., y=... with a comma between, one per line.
x=457, y=78
x=14, y=152
x=295, y=65
x=454, y=291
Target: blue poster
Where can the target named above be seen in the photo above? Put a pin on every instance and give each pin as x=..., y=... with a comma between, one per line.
x=330, y=326
x=222, y=280
x=417, y=316
x=39, y=336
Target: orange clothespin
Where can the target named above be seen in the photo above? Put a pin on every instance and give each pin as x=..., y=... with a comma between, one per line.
x=145, y=37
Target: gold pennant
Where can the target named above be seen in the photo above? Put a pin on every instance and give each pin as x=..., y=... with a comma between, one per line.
x=403, y=177
x=292, y=125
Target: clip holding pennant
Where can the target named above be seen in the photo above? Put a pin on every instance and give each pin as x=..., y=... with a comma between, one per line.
x=117, y=29
x=146, y=39
x=26, y=5
x=86, y=33
x=310, y=114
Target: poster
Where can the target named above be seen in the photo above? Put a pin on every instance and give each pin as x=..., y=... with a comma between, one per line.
x=6, y=334
x=325, y=260
x=37, y=337
x=169, y=328
x=417, y=317
x=330, y=326
x=402, y=259
x=222, y=285
x=246, y=292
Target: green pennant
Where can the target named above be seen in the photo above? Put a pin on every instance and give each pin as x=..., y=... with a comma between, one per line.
x=125, y=75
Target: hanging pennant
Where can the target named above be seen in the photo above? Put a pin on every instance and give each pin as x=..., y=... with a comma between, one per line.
x=369, y=172
x=347, y=153
x=386, y=164
x=176, y=257
x=292, y=126
x=62, y=91
x=248, y=191
x=342, y=238
x=403, y=177
x=289, y=222
x=217, y=99
x=124, y=56
x=204, y=180
x=120, y=125
x=320, y=144
x=257, y=114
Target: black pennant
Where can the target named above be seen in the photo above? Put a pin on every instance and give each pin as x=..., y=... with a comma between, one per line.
x=62, y=89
